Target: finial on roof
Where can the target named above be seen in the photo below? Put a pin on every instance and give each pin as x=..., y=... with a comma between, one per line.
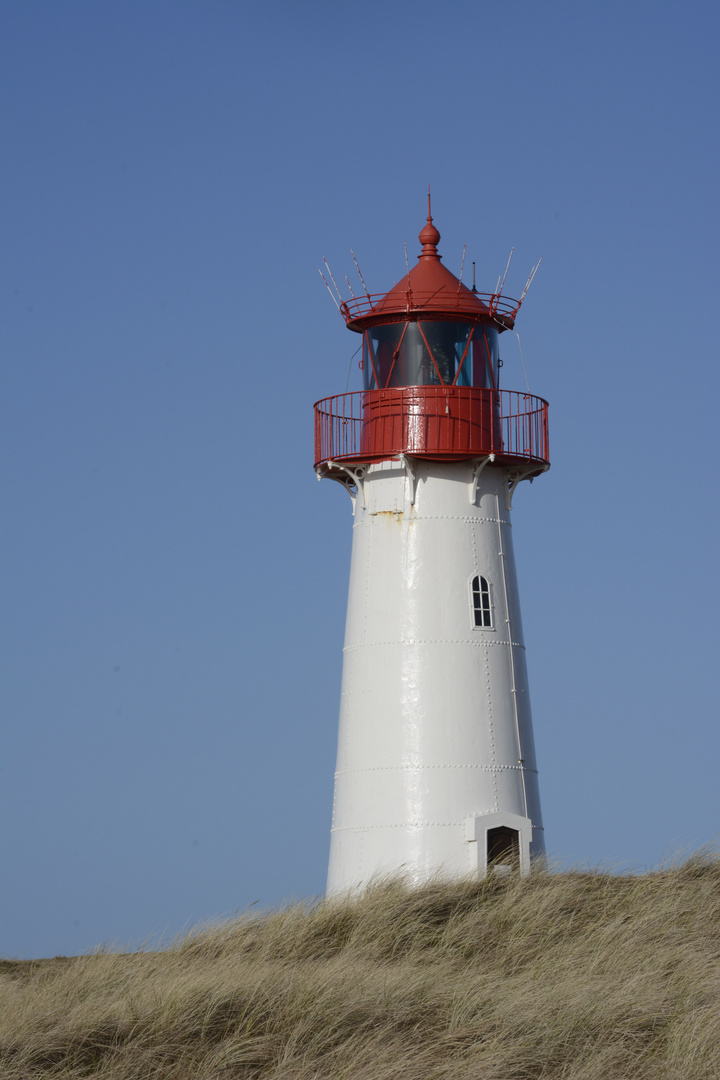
x=429, y=236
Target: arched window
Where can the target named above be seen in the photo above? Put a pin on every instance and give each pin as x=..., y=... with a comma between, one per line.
x=482, y=612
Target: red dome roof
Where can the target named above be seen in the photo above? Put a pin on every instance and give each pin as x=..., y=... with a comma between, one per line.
x=428, y=291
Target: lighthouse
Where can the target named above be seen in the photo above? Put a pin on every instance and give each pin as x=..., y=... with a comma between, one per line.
x=436, y=772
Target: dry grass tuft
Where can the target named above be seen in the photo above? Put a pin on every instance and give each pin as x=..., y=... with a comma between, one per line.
x=577, y=976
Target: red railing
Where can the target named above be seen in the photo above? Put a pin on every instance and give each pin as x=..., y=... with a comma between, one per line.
x=360, y=306
x=438, y=422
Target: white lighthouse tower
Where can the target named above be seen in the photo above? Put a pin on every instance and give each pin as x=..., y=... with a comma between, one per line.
x=436, y=769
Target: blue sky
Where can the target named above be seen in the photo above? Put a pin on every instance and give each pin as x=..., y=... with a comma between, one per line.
x=174, y=579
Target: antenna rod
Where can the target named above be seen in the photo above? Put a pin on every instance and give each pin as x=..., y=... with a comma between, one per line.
x=501, y=284
x=332, y=279
x=329, y=289
x=361, y=277
x=407, y=271
x=462, y=266
x=533, y=272
x=473, y=288
x=349, y=286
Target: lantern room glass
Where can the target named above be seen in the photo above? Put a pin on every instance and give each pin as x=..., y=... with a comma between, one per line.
x=430, y=353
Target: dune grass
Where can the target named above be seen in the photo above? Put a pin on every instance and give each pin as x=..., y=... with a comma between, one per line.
x=573, y=976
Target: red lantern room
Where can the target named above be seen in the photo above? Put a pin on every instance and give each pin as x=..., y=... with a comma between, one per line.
x=430, y=366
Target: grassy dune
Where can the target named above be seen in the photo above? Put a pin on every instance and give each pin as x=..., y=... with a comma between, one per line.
x=579, y=976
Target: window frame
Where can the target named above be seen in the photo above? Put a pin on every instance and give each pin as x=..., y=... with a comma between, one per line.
x=484, y=590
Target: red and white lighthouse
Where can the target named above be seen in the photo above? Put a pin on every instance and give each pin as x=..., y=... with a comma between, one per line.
x=436, y=769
